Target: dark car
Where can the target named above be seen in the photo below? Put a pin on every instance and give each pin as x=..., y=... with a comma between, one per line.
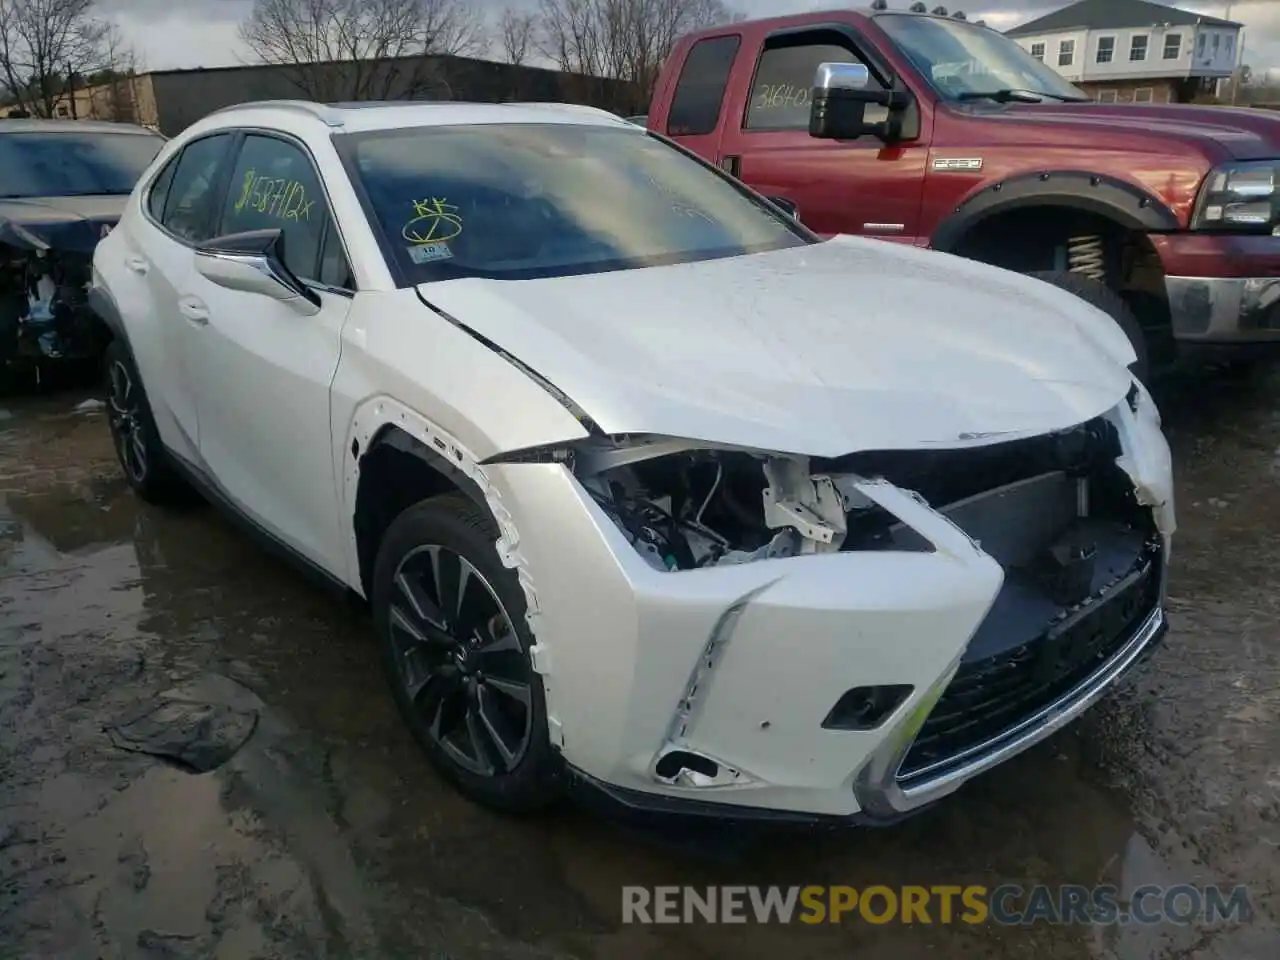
x=63, y=185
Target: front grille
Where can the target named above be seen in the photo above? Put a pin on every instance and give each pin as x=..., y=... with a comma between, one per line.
x=988, y=697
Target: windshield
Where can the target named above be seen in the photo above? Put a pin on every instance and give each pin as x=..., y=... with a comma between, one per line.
x=963, y=59
x=73, y=163
x=519, y=201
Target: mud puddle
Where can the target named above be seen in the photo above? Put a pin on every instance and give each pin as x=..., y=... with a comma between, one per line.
x=326, y=835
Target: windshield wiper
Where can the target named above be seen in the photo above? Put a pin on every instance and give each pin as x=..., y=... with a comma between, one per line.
x=1016, y=96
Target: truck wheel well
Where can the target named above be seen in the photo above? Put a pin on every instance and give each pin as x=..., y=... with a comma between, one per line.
x=1053, y=237
x=397, y=471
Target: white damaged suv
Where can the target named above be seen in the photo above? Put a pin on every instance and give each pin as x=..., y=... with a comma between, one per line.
x=649, y=488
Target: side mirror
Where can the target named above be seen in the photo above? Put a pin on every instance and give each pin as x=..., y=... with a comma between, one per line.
x=841, y=94
x=787, y=206
x=253, y=262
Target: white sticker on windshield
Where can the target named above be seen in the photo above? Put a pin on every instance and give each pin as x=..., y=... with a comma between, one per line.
x=421, y=253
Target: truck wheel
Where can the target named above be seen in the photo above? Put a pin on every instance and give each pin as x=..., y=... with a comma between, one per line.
x=450, y=619
x=1098, y=294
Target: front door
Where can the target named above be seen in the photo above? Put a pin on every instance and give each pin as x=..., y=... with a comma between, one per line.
x=863, y=187
x=265, y=369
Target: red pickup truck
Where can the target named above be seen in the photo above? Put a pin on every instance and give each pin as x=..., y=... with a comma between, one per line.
x=932, y=130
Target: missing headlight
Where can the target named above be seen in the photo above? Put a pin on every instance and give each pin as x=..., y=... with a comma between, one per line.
x=685, y=508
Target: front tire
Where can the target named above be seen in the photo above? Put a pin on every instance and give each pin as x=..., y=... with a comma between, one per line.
x=1098, y=294
x=451, y=623
x=141, y=453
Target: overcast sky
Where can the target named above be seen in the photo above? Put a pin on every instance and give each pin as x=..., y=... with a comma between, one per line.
x=194, y=33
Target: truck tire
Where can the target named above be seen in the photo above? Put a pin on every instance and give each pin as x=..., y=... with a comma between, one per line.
x=1098, y=294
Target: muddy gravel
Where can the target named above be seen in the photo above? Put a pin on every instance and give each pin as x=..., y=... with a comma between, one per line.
x=316, y=829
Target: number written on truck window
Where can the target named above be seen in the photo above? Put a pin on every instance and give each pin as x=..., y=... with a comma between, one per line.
x=695, y=108
x=784, y=84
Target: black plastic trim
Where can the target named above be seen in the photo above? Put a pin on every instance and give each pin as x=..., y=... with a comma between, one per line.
x=609, y=799
x=1075, y=189
x=255, y=531
x=105, y=309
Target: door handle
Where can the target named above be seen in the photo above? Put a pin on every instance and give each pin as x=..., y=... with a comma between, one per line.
x=136, y=264
x=194, y=310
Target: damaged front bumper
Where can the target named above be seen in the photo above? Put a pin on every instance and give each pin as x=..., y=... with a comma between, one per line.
x=850, y=683
x=44, y=283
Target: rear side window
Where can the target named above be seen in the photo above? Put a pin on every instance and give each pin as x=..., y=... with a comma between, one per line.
x=275, y=185
x=695, y=108
x=784, y=83
x=189, y=206
x=160, y=189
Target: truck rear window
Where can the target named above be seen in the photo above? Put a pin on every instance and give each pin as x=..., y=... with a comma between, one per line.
x=519, y=201
x=695, y=108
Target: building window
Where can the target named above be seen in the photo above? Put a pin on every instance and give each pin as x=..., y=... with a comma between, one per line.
x=1144, y=95
x=1106, y=49
x=1217, y=43
x=1173, y=46
x=1066, y=53
x=1228, y=43
x=1200, y=42
x=1037, y=51
x=1138, y=47
x=1106, y=96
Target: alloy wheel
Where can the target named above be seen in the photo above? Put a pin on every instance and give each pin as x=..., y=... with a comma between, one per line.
x=460, y=662
x=123, y=409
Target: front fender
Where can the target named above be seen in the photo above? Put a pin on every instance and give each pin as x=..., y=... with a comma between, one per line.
x=1118, y=200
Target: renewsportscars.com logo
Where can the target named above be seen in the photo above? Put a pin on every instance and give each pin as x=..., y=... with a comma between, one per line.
x=1009, y=905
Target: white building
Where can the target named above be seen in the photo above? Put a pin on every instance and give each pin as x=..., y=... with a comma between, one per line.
x=1134, y=50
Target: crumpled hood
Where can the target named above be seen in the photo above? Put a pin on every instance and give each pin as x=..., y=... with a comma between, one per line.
x=823, y=350
x=1242, y=133
x=58, y=223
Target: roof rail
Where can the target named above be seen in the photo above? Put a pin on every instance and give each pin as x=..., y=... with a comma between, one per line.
x=567, y=107
x=317, y=110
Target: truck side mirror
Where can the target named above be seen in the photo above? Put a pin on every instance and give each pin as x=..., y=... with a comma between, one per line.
x=841, y=93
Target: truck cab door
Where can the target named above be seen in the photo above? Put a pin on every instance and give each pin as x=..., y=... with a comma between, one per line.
x=694, y=115
x=863, y=187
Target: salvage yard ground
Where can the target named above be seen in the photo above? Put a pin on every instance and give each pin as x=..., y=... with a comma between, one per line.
x=327, y=835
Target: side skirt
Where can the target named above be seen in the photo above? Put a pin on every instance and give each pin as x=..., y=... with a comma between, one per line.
x=263, y=537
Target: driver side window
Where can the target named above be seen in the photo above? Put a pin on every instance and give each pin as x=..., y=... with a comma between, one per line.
x=275, y=185
x=784, y=83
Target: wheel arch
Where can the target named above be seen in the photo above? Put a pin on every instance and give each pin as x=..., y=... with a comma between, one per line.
x=1124, y=204
x=102, y=307
x=395, y=470
x=395, y=457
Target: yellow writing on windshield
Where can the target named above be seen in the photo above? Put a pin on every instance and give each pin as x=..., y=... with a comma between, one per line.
x=435, y=220
x=277, y=197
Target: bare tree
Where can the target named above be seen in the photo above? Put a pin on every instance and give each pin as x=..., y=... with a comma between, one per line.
x=516, y=34
x=362, y=49
x=115, y=95
x=44, y=46
x=626, y=39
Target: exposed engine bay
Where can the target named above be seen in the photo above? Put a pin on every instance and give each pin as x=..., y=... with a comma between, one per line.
x=687, y=509
x=44, y=313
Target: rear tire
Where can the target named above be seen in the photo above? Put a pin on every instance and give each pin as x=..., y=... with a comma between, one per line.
x=141, y=453
x=450, y=620
x=1098, y=294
